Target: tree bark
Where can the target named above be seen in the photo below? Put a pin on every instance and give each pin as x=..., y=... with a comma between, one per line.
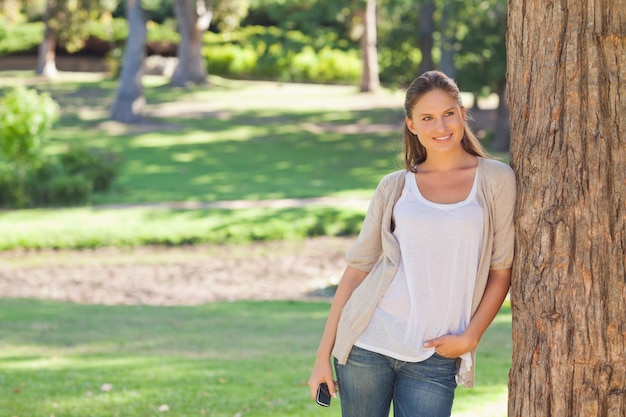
x=426, y=30
x=370, y=78
x=194, y=17
x=130, y=100
x=46, y=54
x=566, y=77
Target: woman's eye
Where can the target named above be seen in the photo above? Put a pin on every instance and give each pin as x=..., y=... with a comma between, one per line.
x=450, y=113
x=427, y=118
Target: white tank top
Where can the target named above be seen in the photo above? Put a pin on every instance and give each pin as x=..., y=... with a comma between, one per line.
x=431, y=294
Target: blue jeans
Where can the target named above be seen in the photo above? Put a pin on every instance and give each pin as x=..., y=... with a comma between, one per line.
x=369, y=382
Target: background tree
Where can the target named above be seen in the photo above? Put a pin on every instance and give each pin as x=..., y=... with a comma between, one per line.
x=426, y=11
x=67, y=22
x=566, y=72
x=369, y=51
x=130, y=100
x=194, y=18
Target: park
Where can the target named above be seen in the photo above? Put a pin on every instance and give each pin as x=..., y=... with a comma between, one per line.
x=199, y=282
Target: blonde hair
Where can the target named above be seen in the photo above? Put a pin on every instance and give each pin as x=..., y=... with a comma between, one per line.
x=414, y=152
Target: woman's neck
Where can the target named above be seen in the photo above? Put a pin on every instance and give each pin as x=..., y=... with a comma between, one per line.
x=447, y=162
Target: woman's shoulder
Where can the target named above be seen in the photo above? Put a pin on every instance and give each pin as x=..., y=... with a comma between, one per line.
x=494, y=169
x=392, y=179
x=394, y=176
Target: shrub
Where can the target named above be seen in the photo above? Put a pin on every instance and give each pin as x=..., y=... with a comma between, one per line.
x=69, y=190
x=98, y=166
x=70, y=179
x=272, y=53
x=25, y=118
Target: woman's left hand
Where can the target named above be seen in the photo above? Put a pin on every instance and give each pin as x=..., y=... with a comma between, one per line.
x=452, y=346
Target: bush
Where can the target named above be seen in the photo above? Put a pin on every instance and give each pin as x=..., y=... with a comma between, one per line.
x=69, y=190
x=70, y=179
x=272, y=53
x=25, y=118
x=98, y=166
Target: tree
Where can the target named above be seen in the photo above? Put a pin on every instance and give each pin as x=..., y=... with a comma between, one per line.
x=370, y=78
x=426, y=31
x=194, y=18
x=566, y=72
x=129, y=99
x=67, y=22
x=46, y=55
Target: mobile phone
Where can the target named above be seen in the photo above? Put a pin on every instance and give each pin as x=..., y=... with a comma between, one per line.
x=323, y=395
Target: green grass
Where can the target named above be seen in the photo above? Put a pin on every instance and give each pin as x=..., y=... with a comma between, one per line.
x=80, y=228
x=233, y=140
x=255, y=141
x=222, y=359
x=240, y=147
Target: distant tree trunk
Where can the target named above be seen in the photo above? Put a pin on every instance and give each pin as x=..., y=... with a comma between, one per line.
x=502, y=131
x=567, y=72
x=426, y=30
x=46, y=55
x=370, y=78
x=129, y=100
x=194, y=18
x=447, y=43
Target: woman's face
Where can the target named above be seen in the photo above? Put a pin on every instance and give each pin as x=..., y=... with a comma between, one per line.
x=438, y=121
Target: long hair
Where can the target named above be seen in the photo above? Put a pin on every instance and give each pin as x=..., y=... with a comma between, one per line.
x=414, y=152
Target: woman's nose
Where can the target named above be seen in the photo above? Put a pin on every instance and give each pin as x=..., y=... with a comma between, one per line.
x=440, y=125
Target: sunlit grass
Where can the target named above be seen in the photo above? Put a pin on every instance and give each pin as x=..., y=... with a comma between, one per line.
x=251, y=358
x=231, y=140
x=79, y=228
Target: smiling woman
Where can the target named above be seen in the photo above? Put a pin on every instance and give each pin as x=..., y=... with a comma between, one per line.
x=428, y=272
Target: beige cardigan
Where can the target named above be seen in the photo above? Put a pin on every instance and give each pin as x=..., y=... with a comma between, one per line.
x=376, y=250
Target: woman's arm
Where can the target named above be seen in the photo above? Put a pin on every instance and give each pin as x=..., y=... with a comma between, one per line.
x=453, y=346
x=322, y=370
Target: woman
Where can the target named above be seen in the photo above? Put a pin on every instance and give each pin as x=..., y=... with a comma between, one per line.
x=428, y=272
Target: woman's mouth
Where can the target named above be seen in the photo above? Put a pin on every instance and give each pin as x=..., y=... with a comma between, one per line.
x=443, y=138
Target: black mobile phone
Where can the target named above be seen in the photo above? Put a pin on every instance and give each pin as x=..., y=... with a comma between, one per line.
x=323, y=395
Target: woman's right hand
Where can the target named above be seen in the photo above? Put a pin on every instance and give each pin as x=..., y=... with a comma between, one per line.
x=322, y=372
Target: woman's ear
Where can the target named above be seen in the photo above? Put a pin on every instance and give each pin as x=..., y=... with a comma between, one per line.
x=409, y=125
x=463, y=113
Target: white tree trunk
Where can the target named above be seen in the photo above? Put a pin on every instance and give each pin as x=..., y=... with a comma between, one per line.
x=194, y=17
x=129, y=100
x=370, y=78
x=46, y=55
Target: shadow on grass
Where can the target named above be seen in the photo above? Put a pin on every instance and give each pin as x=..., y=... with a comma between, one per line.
x=204, y=151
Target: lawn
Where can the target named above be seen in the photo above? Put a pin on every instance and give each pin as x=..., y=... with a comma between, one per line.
x=232, y=140
x=219, y=360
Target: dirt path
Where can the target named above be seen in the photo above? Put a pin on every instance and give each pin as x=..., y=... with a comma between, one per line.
x=177, y=276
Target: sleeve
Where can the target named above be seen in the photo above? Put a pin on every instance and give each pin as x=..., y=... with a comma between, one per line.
x=503, y=227
x=367, y=248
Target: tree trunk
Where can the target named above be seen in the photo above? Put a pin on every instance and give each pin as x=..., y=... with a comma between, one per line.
x=426, y=30
x=566, y=77
x=46, y=55
x=447, y=42
x=194, y=17
x=502, y=131
x=129, y=100
x=370, y=79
